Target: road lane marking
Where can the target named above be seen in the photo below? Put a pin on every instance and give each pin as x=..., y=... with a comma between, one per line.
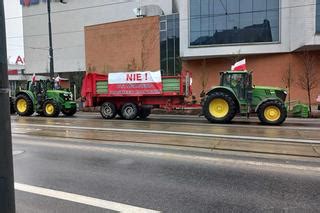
x=174, y=156
x=234, y=137
x=89, y=201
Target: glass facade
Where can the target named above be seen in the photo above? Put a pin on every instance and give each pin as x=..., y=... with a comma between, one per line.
x=318, y=16
x=214, y=22
x=170, y=45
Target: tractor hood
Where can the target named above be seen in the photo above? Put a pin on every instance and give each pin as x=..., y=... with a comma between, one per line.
x=270, y=92
x=269, y=88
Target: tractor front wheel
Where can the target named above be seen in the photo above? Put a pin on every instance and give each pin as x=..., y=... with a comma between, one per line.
x=129, y=111
x=272, y=112
x=69, y=112
x=51, y=108
x=108, y=110
x=219, y=107
x=23, y=105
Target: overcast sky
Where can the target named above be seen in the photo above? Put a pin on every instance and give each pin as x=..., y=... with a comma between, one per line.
x=14, y=28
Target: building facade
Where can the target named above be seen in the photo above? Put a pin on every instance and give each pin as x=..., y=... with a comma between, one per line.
x=203, y=36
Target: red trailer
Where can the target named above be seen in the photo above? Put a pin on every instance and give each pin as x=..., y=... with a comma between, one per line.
x=133, y=94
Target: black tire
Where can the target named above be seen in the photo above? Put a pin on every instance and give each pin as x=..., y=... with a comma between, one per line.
x=108, y=110
x=273, y=105
x=119, y=113
x=69, y=112
x=129, y=111
x=144, y=113
x=226, y=116
x=50, y=108
x=28, y=105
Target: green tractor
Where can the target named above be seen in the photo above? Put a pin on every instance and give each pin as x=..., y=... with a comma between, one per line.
x=41, y=97
x=237, y=95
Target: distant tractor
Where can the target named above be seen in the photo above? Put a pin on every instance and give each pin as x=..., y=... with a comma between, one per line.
x=41, y=97
x=237, y=95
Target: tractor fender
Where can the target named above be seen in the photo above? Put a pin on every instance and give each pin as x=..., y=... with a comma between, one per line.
x=29, y=94
x=228, y=91
x=264, y=101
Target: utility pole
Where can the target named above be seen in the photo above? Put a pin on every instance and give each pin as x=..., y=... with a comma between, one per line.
x=7, y=203
x=50, y=40
x=51, y=67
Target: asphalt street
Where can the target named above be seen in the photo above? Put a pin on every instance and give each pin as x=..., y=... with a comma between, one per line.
x=166, y=179
x=87, y=164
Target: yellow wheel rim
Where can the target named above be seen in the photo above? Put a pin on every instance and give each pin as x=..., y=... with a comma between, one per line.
x=22, y=105
x=49, y=109
x=272, y=113
x=218, y=108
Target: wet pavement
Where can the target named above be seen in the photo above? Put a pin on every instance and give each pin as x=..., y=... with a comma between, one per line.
x=87, y=164
x=159, y=178
x=242, y=135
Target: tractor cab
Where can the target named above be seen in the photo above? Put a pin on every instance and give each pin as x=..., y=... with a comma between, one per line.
x=239, y=82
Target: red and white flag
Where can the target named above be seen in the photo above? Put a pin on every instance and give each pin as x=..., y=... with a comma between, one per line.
x=135, y=83
x=33, y=79
x=239, y=66
x=57, y=79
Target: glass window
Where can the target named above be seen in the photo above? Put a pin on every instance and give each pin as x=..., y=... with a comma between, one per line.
x=170, y=44
x=233, y=21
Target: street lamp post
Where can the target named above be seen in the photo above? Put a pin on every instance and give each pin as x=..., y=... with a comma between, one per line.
x=50, y=40
x=50, y=37
x=7, y=204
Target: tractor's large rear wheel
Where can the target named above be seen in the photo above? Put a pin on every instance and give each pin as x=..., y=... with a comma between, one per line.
x=219, y=107
x=108, y=110
x=23, y=105
x=129, y=111
x=272, y=112
x=51, y=108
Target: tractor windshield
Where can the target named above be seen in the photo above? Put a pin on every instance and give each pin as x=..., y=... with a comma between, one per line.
x=238, y=82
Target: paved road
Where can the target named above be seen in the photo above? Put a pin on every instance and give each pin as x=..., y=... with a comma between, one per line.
x=295, y=137
x=124, y=176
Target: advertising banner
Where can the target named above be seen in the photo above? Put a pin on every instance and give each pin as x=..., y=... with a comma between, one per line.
x=135, y=83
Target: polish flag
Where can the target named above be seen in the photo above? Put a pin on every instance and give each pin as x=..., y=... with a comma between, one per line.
x=33, y=78
x=57, y=79
x=239, y=66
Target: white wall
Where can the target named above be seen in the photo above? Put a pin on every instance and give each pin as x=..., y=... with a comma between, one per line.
x=297, y=28
x=68, y=30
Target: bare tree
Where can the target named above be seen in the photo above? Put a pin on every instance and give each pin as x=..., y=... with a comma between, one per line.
x=132, y=66
x=308, y=79
x=288, y=80
x=204, y=75
x=236, y=56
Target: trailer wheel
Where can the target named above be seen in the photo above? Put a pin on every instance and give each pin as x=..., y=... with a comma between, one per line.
x=51, y=108
x=272, y=112
x=144, y=113
x=108, y=110
x=219, y=107
x=129, y=111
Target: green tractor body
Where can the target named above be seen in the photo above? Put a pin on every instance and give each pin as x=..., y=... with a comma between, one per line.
x=42, y=98
x=237, y=95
